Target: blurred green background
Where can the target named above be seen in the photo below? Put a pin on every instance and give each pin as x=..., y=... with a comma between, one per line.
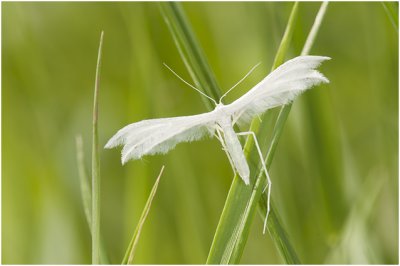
x=335, y=172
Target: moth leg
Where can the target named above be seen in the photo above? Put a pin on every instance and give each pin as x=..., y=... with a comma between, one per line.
x=221, y=139
x=235, y=119
x=269, y=183
x=259, y=118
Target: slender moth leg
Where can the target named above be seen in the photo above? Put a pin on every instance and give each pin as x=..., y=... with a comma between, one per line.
x=236, y=118
x=269, y=183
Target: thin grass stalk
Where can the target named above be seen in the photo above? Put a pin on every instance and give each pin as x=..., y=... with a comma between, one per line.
x=273, y=223
x=130, y=252
x=274, y=226
x=391, y=9
x=96, y=165
x=190, y=51
x=182, y=33
x=86, y=194
x=314, y=29
x=254, y=197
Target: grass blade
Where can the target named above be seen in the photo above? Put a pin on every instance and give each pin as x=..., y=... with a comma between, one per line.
x=130, y=252
x=278, y=233
x=96, y=165
x=190, y=51
x=353, y=245
x=84, y=180
x=273, y=224
x=314, y=29
x=287, y=36
x=86, y=193
x=236, y=207
x=391, y=9
x=247, y=205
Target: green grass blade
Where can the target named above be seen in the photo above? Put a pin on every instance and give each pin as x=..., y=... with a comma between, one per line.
x=278, y=233
x=96, y=165
x=233, y=253
x=273, y=224
x=84, y=180
x=355, y=228
x=86, y=193
x=287, y=36
x=274, y=227
x=190, y=51
x=391, y=9
x=314, y=29
x=130, y=252
x=236, y=207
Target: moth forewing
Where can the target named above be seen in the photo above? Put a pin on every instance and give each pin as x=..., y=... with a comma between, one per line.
x=158, y=136
x=280, y=87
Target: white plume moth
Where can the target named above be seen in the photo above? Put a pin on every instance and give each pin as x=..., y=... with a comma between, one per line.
x=280, y=87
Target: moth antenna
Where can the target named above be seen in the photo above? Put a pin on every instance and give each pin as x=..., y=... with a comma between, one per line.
x=190, y=85
x=251, y=70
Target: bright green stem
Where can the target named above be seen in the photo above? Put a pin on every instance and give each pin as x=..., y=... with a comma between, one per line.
x=273, y=224
x=130, y=252
x=247, y=203
x=277, y=232
x=314, y=29
x=96, y=166
x=190, y=51
x=242, y=200
x=392, y=11
x=84, y=180
x=86, y=193
x=287, y=36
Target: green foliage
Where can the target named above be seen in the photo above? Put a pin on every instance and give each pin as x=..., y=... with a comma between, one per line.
x=392, y=11
x=234, y=225
x=130, y=252
x=96, y=164
x=190, y=51
x=334, y=174
x=86, y=193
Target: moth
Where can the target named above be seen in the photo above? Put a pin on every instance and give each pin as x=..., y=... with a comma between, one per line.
x=280, y=87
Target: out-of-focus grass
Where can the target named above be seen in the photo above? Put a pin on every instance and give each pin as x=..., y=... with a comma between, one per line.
x=130, y=252
x=96, y=187
x=339, y=141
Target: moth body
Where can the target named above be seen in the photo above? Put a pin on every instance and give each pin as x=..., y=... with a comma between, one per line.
x=234, y=148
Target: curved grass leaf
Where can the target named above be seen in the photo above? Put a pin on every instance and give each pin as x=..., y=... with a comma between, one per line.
x=86, y=193
x=235, y=220
x=273, y=223
x=233, y=253
x=190, y=51
x=130, y=252
x=96, y=165
x=392, y=11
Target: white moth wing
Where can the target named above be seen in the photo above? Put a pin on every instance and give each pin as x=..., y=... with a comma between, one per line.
x=155, y=136
x=280, y=87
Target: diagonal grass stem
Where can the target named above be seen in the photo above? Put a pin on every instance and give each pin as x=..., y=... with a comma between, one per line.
x=273, y=223
x=232, y=230
x=130, y=252
x=86, y=193
x=190, y=51
x=96, y=165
